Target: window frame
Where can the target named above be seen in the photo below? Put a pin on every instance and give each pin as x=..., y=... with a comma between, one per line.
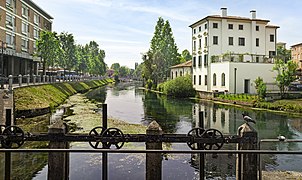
x=257, y=28
x=215, y=25
x=215, y=40
x=240, y=40
x=231, y=41
x=214, y=79
x=240, y=27
x=223, y=79
x=257, y=42
x=271, y=38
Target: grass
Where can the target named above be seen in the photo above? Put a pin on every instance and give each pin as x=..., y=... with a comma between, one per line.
x=287, y=105
x=50, y=95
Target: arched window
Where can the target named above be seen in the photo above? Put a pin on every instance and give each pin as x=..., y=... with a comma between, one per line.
x=222, y=79
x=172, y=75
x=180, y=73
x=214, y=79
x=176, y=74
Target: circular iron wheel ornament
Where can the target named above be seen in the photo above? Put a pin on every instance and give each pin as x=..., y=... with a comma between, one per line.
x=195, y=133
x=213, y=135
x=97, y=134
x=116, y=137
x=13, y=131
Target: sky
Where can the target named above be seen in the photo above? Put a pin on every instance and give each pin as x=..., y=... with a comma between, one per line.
x=124, y=28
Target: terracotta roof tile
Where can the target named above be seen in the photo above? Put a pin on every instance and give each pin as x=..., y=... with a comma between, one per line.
x=185, y=64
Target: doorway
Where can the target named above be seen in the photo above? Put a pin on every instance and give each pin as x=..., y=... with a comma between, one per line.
x=246, y=86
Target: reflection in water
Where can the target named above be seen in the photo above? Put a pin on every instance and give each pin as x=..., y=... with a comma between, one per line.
x=174, y=116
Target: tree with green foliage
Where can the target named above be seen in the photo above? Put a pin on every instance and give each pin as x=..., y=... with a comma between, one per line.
x=283, y=53
x=81, y=60
x=185, y=56
x=95, y=59
x=285, y=74
x=260, y=87
x=115, y=66
x=48, y=48
x=161, y=55
x=124, y=71
x=138, y=72
x=68, y=59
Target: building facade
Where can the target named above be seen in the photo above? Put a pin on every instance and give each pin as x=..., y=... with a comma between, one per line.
x=20, y=25
x=296, y=51
x=230, y=52
x=181, y=69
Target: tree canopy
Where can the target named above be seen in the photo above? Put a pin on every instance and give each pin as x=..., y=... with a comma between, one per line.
x=48, y=48
x=161, y=55
x=283, y=54
x=61, y=50
x=185, y=56
x=285, y=74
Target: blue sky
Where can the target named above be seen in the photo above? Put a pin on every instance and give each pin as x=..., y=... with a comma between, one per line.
x=124, y=28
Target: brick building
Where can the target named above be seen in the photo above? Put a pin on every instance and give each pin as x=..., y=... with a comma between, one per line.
x=297, y=57
x=20, y=24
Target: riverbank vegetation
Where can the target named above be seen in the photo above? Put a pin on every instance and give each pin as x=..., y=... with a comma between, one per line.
x=178, y=87
x=30, y=98
x=286, y=105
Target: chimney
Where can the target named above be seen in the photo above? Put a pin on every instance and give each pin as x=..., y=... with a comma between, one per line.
x=253, y=14
x=223, y=12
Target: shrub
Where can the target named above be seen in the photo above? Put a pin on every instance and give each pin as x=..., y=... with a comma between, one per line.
x=179, y=87
x=261, y=87
x=160, y=87
x=149, y=84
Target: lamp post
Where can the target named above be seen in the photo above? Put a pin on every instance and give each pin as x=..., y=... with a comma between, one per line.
x=3, y=46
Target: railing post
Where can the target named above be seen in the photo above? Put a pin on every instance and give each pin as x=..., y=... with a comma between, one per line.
x=201, y=155
x=27, y=79
x=7, y=160
x=247, y=164
x=34, y=79
x=10, y=83
x=20, y=79
x=154, y=160
x=57, y=161
x=44, y=77
x=104, y=154
x=47, y=79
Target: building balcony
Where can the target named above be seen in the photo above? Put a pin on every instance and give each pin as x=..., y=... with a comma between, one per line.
x=246, y=58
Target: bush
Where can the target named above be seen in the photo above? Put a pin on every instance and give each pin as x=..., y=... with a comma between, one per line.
x=149, y=84
x=261, y=87
x=179, y=87
x=160, y=87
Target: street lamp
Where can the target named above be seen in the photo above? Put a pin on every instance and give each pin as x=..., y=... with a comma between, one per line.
x=3, y=46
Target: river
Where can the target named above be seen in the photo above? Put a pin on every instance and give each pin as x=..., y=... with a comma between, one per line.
x=133, y=105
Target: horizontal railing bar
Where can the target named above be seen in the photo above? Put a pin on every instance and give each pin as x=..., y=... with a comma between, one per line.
x=155, y=151
x=172, y=138
x=277, y=140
